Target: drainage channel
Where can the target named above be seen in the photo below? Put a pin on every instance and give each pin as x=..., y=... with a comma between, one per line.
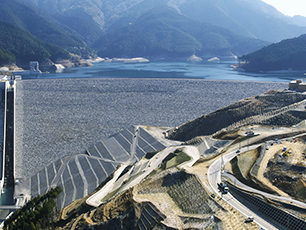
x=7, y=201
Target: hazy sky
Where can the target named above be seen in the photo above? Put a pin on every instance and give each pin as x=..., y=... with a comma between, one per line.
x=289, y=7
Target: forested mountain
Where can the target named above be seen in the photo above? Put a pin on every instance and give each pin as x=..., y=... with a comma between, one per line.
x=21, y=47
x=130, y=28
x=287, y=54
x=40, y=25
x=251, y=18
x=87, y=29
x=163, y=32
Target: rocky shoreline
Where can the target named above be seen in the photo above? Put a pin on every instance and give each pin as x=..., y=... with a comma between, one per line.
x=61, y=64
x=49, y=66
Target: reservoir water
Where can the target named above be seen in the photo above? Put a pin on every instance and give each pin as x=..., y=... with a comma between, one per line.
x=182, y=70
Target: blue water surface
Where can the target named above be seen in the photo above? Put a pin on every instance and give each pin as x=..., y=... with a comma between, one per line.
x=182, y=70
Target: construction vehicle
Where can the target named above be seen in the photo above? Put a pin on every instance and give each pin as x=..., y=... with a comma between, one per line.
x=223, y=187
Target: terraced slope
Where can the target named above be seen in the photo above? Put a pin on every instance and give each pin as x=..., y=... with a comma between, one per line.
x=80, y=174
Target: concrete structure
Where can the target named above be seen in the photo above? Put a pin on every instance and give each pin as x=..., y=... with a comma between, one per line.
x=81, y=174
x=34, y=69
x=34, y=66
x=298, y=85
x=293, y=85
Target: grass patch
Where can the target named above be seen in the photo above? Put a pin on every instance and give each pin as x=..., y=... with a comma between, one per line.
x=247, y=160
x=174, y=159
x=236, y=170
x=301, y=189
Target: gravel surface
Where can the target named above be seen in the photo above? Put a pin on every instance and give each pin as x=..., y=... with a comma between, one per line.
x=56, y=118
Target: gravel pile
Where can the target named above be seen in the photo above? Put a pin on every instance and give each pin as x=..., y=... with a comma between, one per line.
x=56, y=118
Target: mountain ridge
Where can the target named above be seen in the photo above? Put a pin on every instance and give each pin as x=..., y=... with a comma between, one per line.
x=108, y=27
x=240, y=16
x=165, y=31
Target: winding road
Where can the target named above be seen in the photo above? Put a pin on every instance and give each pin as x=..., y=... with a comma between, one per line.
x=250, y=189
x=214, y=177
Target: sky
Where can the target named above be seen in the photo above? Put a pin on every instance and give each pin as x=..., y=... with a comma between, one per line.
x=289, y=7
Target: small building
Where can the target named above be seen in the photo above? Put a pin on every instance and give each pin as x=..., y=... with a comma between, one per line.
x=298, y=85
x=294, y=85
x=302, y=87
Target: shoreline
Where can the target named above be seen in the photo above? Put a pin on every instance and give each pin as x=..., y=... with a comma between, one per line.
x=165, y=70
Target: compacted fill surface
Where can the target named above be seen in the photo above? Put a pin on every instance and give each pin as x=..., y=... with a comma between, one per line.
x=61, y=117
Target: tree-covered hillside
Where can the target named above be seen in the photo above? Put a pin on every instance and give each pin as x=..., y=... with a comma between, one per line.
x=37, y=213
x=21, y=47
x=6, y=57
x=129, y=28
x=41, y=25
x=163, y=32
x=287, y=54
x=252, y=18
x=89, y=30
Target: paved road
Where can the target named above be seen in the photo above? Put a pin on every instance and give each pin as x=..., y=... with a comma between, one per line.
x=214, y=177
x=250, y=189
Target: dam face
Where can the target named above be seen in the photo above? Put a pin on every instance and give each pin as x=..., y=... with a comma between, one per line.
x=63, y=127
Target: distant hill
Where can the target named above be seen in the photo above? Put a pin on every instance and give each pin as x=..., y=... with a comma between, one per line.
x=21, y=47
x=40, y=25
x=86, y=18
x=164, y=32
x=252, y=18
x=298, y=20
x=130, y=28
x=287, y=54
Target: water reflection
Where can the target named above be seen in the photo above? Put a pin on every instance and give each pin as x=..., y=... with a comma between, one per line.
x=203, y=70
